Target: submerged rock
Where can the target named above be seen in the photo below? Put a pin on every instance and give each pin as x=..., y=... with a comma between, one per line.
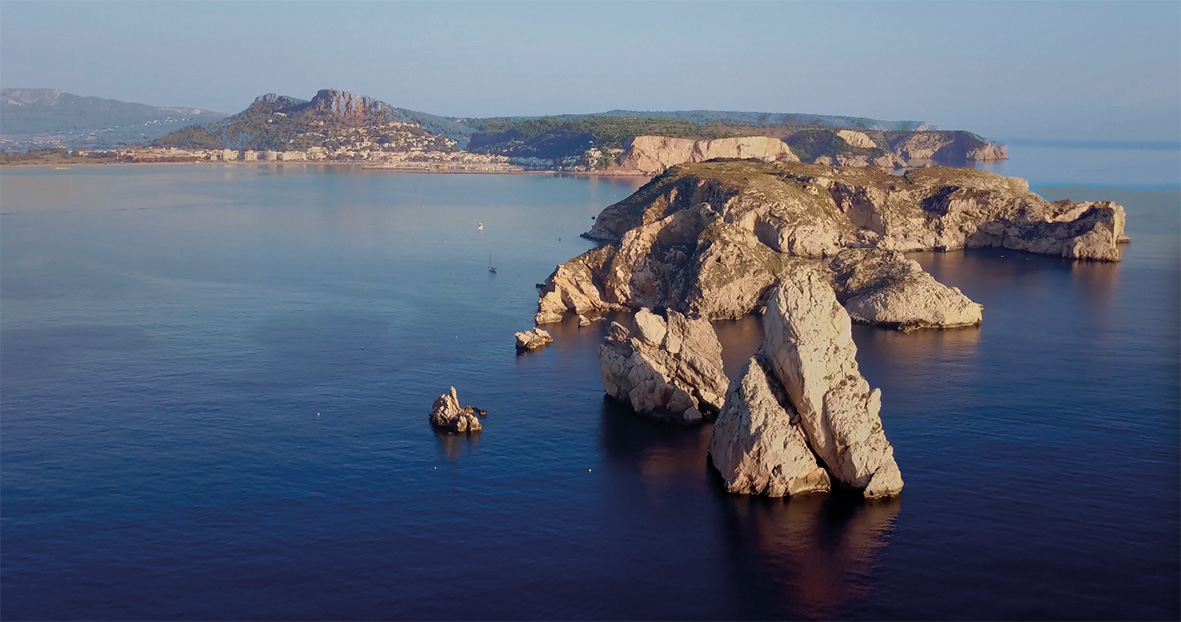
x=757, y=444
x=670, y=368
x=449, y=416
x=886, y=289
x=809, y=348
x=533, y=339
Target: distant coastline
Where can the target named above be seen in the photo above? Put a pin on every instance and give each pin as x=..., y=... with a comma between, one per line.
x=65, y=165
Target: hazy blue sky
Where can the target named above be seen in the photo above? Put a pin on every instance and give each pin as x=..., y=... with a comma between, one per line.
x=1092, y=70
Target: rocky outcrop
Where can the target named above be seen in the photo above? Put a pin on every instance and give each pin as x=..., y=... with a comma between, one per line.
x=917, y=148
x=758, y=444
x=691, y=261
x=898, y=149
x=719, y=259
x=668, y=367
x=856, y=139
x=448, y=416
x=885, y=288
x=577, y=286
x=809, y=347
x=651, y=155
x=800, y=412
x=815, y=210
x=533, y=339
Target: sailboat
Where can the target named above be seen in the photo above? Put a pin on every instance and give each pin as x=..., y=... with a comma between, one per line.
x=491, y=268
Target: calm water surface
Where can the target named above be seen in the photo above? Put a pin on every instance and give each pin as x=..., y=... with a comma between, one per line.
x=214, y=385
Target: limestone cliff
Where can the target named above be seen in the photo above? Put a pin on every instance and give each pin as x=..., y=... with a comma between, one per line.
x=667, y=367
x=651, y=155
x=690, y=261
x=758, y=444
x=803, y=394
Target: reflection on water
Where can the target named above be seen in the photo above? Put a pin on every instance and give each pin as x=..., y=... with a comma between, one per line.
x=452, y=446
x=739, y=338
x=660, y=452
x=807, y=556
x=812, y=553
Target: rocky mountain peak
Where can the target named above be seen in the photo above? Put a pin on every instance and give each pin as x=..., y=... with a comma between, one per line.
x=345, y=104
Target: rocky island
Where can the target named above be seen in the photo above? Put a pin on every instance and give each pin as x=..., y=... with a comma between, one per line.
x=711, y=239
x=813, y=248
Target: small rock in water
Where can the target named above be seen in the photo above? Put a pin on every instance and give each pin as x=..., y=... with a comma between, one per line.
x=449, y=416
x=533, y=339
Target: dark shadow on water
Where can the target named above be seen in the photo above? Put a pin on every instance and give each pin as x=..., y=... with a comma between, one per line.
x=658, y=451
x=809, y=556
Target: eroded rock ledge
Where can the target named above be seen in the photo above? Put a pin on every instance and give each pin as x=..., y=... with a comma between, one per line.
x=886, y=289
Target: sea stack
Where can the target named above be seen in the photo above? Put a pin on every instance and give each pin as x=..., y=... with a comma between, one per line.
x=808, y=351
x=448, y=416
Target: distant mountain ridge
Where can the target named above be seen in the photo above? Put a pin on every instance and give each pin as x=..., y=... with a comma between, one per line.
x=337, y=125
x=248, y=129
x=746, y=118
x=45, y=117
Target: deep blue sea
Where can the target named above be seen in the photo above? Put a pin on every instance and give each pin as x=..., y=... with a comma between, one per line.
x=214, y=387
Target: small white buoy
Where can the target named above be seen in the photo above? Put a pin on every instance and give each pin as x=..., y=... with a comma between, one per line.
x=480, y=227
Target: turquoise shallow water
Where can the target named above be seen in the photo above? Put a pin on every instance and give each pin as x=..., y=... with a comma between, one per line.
x=214, y=385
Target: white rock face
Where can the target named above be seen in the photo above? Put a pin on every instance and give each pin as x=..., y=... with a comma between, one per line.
x=576, y=286
x=857, y=139
x=449, y=416
x=886, y=289
x=691, y=261
x=533, y=339
x=651, y=155
x=758, y=445
x=667, y=368
x=809, y=347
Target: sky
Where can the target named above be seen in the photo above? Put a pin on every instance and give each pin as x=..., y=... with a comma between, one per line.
x=1033, y=70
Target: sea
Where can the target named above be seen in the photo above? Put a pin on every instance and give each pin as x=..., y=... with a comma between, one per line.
x=215, y=381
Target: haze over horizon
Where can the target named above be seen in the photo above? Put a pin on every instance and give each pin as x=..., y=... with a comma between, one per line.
x=1047, y=70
